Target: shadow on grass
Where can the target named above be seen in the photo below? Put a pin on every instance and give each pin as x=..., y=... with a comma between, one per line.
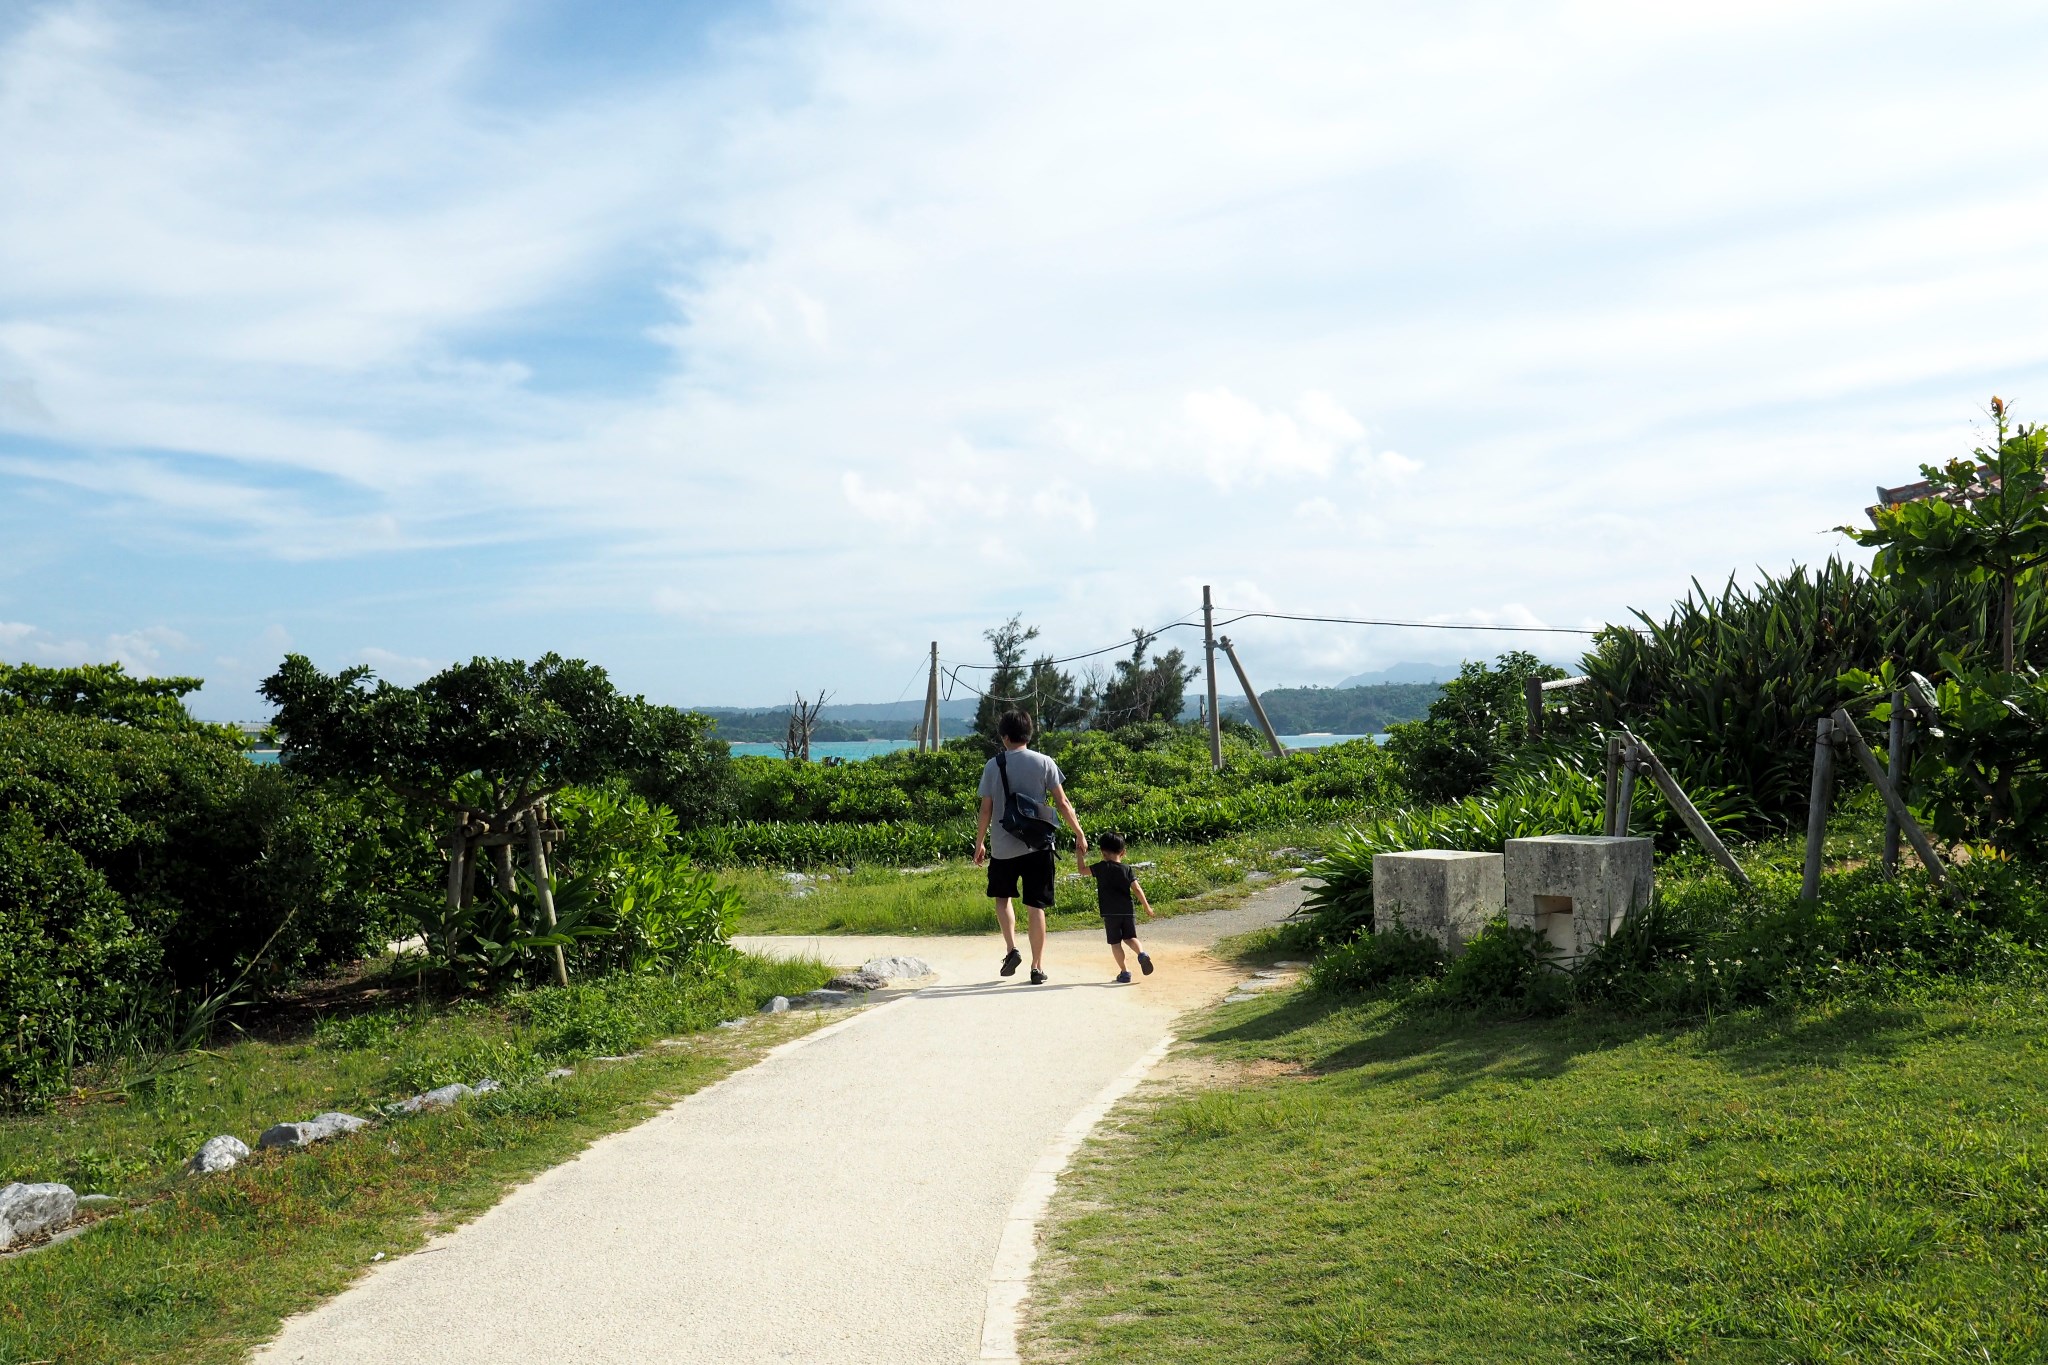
x=1441, y=1051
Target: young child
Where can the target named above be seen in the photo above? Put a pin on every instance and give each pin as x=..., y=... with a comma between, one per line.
x=1115, y=884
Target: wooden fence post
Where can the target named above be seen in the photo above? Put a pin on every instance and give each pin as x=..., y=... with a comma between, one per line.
x=1689, y=813
x=537, y=855
x=1896, y=753
x=1532, y=693
x=1625, y=795
x=1922, y=845
x=1817, y=807
x=1607, y=792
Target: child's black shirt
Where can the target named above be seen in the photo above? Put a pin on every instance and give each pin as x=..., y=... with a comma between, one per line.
x=1113, y=882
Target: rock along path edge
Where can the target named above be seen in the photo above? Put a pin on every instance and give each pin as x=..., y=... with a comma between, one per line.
x=844, y=1199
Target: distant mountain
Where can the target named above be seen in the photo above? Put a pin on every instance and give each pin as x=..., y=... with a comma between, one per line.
x=1404, y=673
x=1338, y=710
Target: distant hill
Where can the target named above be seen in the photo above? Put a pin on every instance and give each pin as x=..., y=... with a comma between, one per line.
x=1402, y=673
x=839, y=721
x=1339, y=710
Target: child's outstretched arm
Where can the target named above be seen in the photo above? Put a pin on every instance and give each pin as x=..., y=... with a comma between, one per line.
x=1139, y=892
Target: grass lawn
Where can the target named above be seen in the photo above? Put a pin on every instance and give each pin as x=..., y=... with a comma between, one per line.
x=1862, y=1182
x=951, y=898
x=200, y=1269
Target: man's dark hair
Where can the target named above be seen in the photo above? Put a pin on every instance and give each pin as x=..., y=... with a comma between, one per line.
x=1110, y=843
x=1015, y=726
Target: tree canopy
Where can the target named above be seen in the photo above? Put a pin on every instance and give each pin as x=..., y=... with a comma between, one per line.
x=99, y=692
x=1983, y=516
x=522, y=731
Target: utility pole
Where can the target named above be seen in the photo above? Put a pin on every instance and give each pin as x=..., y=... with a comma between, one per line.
x=1209, y=670
x=1251, y=696
x=930, y=734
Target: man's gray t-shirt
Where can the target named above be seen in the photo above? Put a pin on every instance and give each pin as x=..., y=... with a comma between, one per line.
x=1031, y=774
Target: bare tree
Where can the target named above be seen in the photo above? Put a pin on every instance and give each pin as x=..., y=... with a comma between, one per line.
x=803, y=720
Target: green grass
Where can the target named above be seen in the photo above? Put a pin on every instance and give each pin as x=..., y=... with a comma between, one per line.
x=200, y=1269
x=953, y=898
x=1865, y=1181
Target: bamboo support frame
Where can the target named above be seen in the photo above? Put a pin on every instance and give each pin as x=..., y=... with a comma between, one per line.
x=1845, y=730
x=1689, y=813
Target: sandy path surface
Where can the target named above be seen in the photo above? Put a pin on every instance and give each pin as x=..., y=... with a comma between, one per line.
x=840, y=1201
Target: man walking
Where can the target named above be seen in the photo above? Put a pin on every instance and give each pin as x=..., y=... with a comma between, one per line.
x=1015, y=787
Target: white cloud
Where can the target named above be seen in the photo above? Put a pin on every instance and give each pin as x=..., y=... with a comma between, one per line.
x=1062, y=308
x=402, y=669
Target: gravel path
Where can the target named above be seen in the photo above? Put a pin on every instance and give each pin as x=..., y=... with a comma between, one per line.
x=840, y=1201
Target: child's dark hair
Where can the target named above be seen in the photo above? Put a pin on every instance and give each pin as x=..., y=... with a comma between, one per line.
x=1015, y=726
x=1110, y=843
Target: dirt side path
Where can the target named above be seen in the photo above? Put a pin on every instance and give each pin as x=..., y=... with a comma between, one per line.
x=841, y=1200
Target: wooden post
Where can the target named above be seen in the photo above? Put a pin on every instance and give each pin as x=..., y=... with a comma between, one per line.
x=1817, y=806
x=1895, y=750
x=458, y=847
x=1252, y=696
x=1625, y=795
x=1608, y=790
x=1532, y=693
x=537, y=860
x=1209, y=668
x=1689, y=813
x=1922, y=845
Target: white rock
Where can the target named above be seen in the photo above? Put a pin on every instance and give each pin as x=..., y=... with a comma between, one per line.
x=820, y=999
x=485, y=1086
x=862, y=980
x=559, y=1072
x=779, y=1005
x=796, y=878
x=1290, y=966
x=217, y=1154
x=441, y=1097
x=292, y=1136
x=1259, y=876
x=732, y=1023
x=899, y=968
x=920, y=871
x=26, y=1210
x=1144, y=864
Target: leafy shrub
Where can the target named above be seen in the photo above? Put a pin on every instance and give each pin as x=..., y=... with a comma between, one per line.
x=1375, y=959
x=143, y=865
x=1475, y=725
x=1504, y=965
x=1727, y=688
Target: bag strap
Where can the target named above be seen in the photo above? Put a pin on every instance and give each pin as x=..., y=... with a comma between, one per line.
x=1003, y=771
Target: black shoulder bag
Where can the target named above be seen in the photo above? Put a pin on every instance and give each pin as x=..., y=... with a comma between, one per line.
x=1023, y=816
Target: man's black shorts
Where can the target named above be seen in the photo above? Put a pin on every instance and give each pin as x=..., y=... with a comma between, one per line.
x=1034, y=870
x=1119, y=928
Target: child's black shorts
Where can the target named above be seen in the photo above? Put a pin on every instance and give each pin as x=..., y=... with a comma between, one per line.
x=1033, y=870
x=1118, y=928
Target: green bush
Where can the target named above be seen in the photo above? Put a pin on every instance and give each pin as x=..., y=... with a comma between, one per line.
x=1375, y=959
x=1504, y=965
x=146, y=868
x=1726, y=689
x=1478, y=722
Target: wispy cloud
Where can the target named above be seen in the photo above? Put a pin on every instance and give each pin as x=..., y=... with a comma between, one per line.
x=861, y=319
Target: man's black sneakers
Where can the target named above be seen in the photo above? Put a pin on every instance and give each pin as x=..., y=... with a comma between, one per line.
x=1145, y=962
x=1011, y=961
x=1037, y=977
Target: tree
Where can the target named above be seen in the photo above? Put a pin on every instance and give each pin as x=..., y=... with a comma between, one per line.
x=800, y=724
x=99, y=692
x=480, y=744
x=1474, y=725
x=1142, y=689
x=1987, y=516
x=1007, y=684
x=1053, y=698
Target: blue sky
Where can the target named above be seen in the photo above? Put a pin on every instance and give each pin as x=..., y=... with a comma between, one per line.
x=744, y=348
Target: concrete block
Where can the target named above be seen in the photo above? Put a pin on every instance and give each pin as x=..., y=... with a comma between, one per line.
x=1576, y=889
x=1444, y=893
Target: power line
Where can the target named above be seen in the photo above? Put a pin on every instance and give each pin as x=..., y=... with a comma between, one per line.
x=1405, y=625
x=1117, y=648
